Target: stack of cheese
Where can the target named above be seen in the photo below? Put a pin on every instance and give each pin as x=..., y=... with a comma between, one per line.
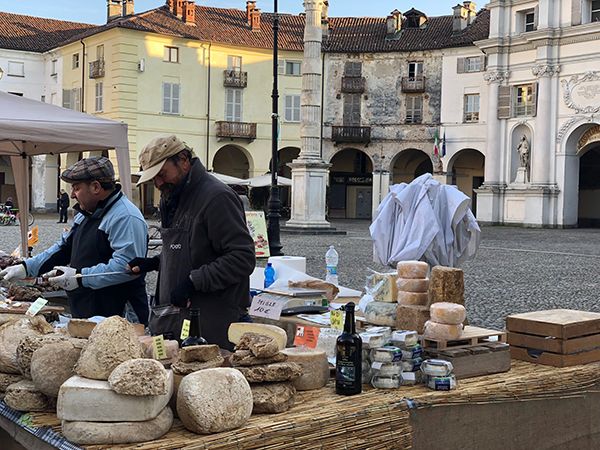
x=438, y=374
x=383, y=309
x=413, y=298
x=386, y=367
x=259, y=358
x=129, y=394
x=372, y=338
x=446, y=322
x=171, y=350
x=408, y=342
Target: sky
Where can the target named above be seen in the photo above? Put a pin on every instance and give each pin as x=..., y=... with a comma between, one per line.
x=94, y=11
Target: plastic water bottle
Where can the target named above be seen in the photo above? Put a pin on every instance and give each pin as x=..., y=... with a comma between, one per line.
x=269, y=275
x=331, y=262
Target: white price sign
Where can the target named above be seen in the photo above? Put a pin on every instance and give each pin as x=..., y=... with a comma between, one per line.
x=268, y=306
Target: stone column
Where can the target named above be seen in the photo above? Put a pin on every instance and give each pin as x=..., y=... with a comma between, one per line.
x=309, y=171
x=493, y=153
x=542, y=149
x=38, y=183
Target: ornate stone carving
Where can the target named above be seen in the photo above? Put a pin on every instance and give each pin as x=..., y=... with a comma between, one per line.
x=496, y=76
x=582, y=92
x=565, y=127
x=545, y=70
x=590, y=136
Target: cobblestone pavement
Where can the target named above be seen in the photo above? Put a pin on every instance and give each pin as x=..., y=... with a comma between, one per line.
x=515, y=270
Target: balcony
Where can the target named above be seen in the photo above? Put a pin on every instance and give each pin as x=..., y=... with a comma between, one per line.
x=236, y=130
x=353, y=85
x=413, y=84
x=97, y=68
x=235, y=78
x=356, y=135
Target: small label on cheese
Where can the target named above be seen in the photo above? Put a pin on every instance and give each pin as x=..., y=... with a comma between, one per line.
x=376, y=365
x=306, y=336
x=36, y=306
x=185, y=329
x=158, y=342
x=337, y=319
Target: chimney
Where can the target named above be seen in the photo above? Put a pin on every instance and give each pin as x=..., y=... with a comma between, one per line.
x=128, y=8
x=171, y=5
x=250, y=6
x=460, y=18
x=114, y=10
x=178, y=8
x=189, y=13
x=255, y=20
x=394, y=22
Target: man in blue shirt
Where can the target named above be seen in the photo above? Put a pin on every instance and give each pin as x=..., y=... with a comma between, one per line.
x=108, y=231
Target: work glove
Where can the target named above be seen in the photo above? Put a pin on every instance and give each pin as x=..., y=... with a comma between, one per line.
x=16, y=272
x=64, y=277
x=144, y=265
x=181, y=294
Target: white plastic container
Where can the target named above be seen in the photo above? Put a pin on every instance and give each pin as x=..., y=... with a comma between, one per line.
x=404, y=339
x=386, y=382
x=386, y=369
x=386, y=354
x=446, y=383
x=436, y=367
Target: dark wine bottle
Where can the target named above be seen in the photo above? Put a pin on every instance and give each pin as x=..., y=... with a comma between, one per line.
x=195, y=336
x=348, y=366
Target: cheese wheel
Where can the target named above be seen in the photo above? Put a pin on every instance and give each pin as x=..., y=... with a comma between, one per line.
x=412, y=269
x=238, y=329
x=442, y=331
x=448, y=313
x=315, y=368
x=412, y=284
x=384, y=287
x=413, y=298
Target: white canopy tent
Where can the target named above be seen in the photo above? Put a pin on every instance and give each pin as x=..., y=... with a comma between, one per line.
x=29, y=127
x=265, y=180
x=227, y=179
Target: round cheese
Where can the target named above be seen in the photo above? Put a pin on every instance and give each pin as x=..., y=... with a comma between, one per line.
x=448, y=313
x=315, y=368
x=413, y=298
x=412, y=284
x=442, y=331
x=412, y=269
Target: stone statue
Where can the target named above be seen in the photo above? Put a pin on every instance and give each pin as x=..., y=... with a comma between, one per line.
x=438, y=166
x=523, y=149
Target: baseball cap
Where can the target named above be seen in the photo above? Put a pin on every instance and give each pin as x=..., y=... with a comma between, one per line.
x=155, y=153
x=97, y=168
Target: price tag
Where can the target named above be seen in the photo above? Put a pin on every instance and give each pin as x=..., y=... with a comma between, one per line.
x=33, y=236
x=376, y=365
x=337, y=319
x=307, y=336
x=158, y=342
x=185, y=329
x=267, y=305
x=36, y=306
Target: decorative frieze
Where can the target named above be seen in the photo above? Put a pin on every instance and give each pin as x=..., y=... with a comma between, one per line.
x=545, y=70
x=582, y=92
x=496, y=76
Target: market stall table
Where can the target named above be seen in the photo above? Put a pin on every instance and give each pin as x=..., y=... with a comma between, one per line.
x=532, y=406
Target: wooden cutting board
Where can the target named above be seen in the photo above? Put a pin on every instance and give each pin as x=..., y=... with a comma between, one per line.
x=558, y=323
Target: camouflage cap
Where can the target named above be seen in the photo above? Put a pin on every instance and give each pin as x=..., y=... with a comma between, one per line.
x=98, y=168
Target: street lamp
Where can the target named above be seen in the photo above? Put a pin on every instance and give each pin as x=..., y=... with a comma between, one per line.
x=274, y=203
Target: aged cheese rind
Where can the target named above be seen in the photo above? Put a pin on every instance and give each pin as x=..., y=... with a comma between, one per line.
x=139, y=377
x=261, y=345
x=442, y=331
x=412, y=269
x=80, y=328
x=412, y=318
x=11, y=334
x=272, y=398
x=238, y=329
x=383, y=287
x=276, y=372
x=201, y=353
x=413, y=298
x=448, y=313
x=447, y=284
x=412, y=284
x=381, y=313
x=24, y=396
x=315, y=368
x=52, y=365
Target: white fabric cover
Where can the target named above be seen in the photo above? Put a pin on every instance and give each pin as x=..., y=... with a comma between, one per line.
x=425, y=220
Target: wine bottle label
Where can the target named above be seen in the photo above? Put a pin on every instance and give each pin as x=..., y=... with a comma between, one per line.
x=347, y=365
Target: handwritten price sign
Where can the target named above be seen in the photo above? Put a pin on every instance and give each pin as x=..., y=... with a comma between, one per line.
x=337, y=319
x=268, y=306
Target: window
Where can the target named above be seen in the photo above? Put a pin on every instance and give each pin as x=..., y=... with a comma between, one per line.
x=233, y=105
x=100, y=52
x=293, y=68
x=524, y=100
x=16, y=69
x=53, y=68
x=471, y=108
x=75, y=61
x=529, y=20
x=414, y=109
x=99, y=99
x=234, y=63
x=292, y=108
x=171, y=93
x=76, y=99
x=595, y=11
x=171, y=54
x=352, y=112
x=473, y=64
x=415, y=69
x=43, y=99
x=353, y=69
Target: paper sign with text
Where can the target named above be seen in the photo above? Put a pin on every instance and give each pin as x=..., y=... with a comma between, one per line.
x=307, y=336
x=36, y=306
x=337, y=319
x=185, y=329
x=160, y=351
x=267, y=305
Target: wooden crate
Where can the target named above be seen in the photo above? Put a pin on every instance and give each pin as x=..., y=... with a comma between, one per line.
x=471, y=337
x=476, y=361
x=554, y=345
x=557, y=323
x=554, y=359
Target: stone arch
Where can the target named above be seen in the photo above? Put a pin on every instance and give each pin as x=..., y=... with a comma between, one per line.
x=233, y=160
x=518, y=131
x=466, y=170
x=350, y=193
x=286, y=156
x=409, y=164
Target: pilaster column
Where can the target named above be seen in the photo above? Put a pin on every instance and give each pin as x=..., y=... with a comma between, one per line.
x=541, y=153
x=38, y=182
x=493, y=150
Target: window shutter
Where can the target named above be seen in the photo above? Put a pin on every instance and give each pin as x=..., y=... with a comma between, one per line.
x=281, y=66
x=66, y=98
x=534, y=91
x=504, y=97
x=483, y=63
x=536, y=13
x=460, y=65
x=576, y=12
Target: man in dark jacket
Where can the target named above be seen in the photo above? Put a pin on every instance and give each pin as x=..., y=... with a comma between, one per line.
x=207, y=252
x=63, y=206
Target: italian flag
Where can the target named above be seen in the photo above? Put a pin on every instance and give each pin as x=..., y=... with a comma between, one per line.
x=436, y=144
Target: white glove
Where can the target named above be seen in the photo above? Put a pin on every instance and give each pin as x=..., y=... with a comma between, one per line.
x=16, y=272
x=66, y=280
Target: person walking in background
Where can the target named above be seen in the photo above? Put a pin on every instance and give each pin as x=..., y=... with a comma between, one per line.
x=63, y=206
